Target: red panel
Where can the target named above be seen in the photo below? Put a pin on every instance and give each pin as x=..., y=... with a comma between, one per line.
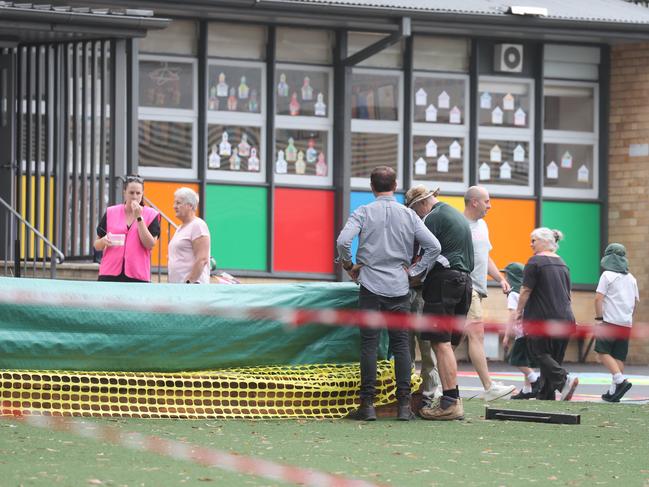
x=304, y=231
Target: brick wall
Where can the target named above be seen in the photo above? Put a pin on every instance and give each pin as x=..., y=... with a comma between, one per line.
x=628, y=214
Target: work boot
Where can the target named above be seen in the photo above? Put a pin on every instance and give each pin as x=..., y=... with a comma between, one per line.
x=404, y=411
x=365, y=411
x=447, y=409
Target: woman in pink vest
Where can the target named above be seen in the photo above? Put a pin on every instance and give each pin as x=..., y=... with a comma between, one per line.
x=126, y=234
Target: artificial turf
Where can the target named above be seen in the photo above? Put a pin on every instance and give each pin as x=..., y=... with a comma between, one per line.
x=610, y=446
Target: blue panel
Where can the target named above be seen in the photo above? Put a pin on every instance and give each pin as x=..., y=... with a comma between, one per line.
x=360, y=198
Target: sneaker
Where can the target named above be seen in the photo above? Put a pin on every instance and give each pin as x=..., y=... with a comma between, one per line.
x=524, y=395
x=404, y=412
x=498, y=391
x=447, y=409
x=607, y=396
x=365, y=412
x=536, y=386
x=620, y=389
x=569, y=387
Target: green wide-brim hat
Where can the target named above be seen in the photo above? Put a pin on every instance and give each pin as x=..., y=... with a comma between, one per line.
x=514, y=275
x=614, y=259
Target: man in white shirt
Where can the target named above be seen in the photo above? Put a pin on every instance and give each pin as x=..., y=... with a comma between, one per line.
x=476, y=205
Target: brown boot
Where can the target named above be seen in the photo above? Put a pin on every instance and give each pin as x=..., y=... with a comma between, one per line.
x=447, y=409
x=365, y=412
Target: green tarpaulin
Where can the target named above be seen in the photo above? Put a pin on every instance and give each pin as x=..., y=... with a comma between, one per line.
x=74, y=325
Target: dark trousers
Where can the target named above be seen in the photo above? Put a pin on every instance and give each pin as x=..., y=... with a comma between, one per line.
x=399, y=345
x=548, y=353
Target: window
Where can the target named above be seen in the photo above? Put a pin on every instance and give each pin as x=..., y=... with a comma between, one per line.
x=303, y=120
x=390, y=57
x=377, y=113
x=180, y=37
x=167, y=116
x=506, y=135
x=570, y=139
x=440, y=130
x=236, y=105
x=309, y=46
x=233, y=40
x=441, y=53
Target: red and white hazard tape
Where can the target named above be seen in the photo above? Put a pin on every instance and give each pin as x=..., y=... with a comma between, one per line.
x=335, y=317
x=187, y=452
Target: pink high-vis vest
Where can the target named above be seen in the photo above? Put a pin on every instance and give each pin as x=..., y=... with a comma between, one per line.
x=133, y=256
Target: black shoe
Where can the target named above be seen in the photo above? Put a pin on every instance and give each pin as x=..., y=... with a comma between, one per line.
x=621, y=389
x=607, y=396
x=365, y=412
x=536, y=386
x=404, y=412
x=524, y=395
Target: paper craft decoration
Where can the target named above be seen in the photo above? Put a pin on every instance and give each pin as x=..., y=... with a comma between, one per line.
x=455, y=150
x=420, y=167
x=222, y=86
x=508, y=102
x=495, y=155
x=552, y=171
x=235, y=160
x=214, y=160
x=232, y=100
x=280, y=165
x=253, y=104
x=455, y=116
x=442, y=164
x=311, y=152
x=421, y=97
x=485, y=101
x=431, y=113
x=294, y=105
x=321, y=166
x=243, y=89
x=291, y=151
x=519, y=154
x=443, y=100
x=253, y=160
x=225, y=149
x=583, y=174
x=497, y=116
x=282, y=86
x=485, y=171
x=505, y=171
x=520, y=118
x=307, y=90
x=320, y=107
x=213, y=102
x=244, y=146
x=300, y=165
x=566, y=160
x=431, y=148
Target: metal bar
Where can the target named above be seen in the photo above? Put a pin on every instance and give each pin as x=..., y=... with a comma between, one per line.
x=604, y=113
x=404, y=31
x=29, y=154
x=202, y=114
x=48, y=156
x=102, y=128
x=407, y=113
x=74, y=236
x=37, y=158
x=84, y=235
x=92, y=220
x=474, y=82
x=132, y=105
x=270, y=146
x=118, y=114
x=63, y=183
x=536, y=164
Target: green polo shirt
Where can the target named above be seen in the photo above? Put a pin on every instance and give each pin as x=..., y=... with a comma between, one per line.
x=454, y=234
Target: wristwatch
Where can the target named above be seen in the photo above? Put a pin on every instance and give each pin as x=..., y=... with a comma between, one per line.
x=139, y=218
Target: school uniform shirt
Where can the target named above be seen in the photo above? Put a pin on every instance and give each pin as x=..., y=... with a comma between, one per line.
x=512, y=305
x=620, y=294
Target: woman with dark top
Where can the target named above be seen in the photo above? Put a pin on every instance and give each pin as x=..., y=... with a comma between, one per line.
x=545, y=295
x=126, y=234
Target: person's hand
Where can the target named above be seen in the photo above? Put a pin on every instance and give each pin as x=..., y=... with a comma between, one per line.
x=136, y=208
x=354, y=272
x=506, y=341
x=505, y=286
x=414, y=281
x=107, y=241
x=519, y=317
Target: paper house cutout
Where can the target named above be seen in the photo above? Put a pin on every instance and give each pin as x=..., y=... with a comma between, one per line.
x=484, y=172
x=519, y=154
x=291, y=151
x=566, y=160
x=280, y=165
x=253, y=160
x=583, y=174
x=321, y=166
x=421, y=97
x=320, y=107
x=455, y=150
x=497, y=116
x=431, y=113
x=300, y=165
x=431, y=148
x=495, y=155
x=520, y=118
x=508, y=102
x=505, y=171
x=442, y=164
x=552, y=171
x=214, y=160
x=455, y=116
x=443, y=100
x=420, y=167
x=485, y=101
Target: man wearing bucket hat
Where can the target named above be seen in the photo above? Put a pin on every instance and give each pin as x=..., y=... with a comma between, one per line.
x=447, y=291
x=615, y=301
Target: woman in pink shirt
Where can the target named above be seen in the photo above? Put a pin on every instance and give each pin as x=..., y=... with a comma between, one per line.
x=189, y=249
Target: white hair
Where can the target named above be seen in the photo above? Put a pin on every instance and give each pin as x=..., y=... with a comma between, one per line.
x=187, y=195
x=551, y=237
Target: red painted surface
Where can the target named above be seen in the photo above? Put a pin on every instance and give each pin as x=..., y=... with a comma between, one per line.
x=304, y=231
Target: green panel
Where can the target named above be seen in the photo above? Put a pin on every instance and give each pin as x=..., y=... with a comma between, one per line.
x=580, y=224
x=237, y=217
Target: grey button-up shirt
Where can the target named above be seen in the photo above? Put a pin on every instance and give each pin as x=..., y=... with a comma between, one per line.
x=387, y=232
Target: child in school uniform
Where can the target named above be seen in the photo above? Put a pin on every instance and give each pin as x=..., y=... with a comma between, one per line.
x=518, y=355
x=615, y=301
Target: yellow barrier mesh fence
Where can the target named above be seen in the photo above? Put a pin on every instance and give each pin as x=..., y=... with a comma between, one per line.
x=309, y=391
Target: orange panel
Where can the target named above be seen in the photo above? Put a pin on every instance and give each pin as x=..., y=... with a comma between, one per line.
x=510, y=224
x=161, y=194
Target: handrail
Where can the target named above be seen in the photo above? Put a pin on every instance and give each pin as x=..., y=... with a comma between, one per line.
x=45, y=240
x=165, y=217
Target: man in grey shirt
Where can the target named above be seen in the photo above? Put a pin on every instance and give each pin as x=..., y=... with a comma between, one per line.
x=387, y=232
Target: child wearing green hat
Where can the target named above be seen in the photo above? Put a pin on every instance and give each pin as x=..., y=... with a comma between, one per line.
x=615, y=301
x=518, y=356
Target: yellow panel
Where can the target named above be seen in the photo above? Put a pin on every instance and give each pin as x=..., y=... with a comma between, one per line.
x=456, y=202
x=43, y=207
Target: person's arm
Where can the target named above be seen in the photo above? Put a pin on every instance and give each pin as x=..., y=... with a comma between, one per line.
x=599, y=306
x=102, y=240
x=201, y=248
x=344, y=243
x=492, y=270
x=509, y=329
x=522, y=301
x=146, y=239
x=431, y=250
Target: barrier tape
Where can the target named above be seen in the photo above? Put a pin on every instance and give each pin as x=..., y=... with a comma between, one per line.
x=177, y=450
x=333, y=317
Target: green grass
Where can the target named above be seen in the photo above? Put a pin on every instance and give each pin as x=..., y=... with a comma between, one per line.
x=611, y=446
